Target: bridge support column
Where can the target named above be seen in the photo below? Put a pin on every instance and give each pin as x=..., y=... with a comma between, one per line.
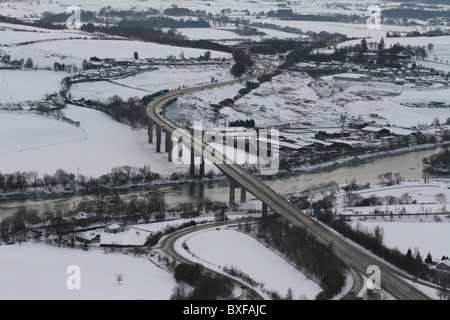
x=169, y=145
x=192, y=163
x=158, y=138
x=232, y=192
x=243, y=195
x=202, y=166
x=150, y=131
x=264, y=210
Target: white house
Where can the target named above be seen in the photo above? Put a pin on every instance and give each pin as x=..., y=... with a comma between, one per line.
x=114, y=228
x=443, y=266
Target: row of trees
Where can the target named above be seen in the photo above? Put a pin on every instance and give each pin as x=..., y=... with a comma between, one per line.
x=422, y=14
x=194, y=284
x=390, y=179
x=145, y=33
x=28, y=64
x=288, y=14
x=352, y=199
x=130, y=111
x=242, y=61
x=294, y=159
x=438, y=163
x=20, y=181
x=373, y=241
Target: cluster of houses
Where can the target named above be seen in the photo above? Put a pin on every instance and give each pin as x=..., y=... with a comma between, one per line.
x=351, y=135
x=351, y=71
x=95, y=238
x=103, y=69
x=355, y=134
x=443, y=266
x=399, y=76
x=110, y=69
x=431, y=104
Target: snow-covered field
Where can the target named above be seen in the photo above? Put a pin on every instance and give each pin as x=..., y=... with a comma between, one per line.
x=29, y=142
x=34, y=132
x=142, y=279
x=16, y=34
x=117, y=49
x=74, y=51
x=98, y=145
x=441, y=45
x=228, y=247
x=19, y=86
x=426, y=232
x=415, y=234
x=18, y=9
x=32, y=271
x=226, y=34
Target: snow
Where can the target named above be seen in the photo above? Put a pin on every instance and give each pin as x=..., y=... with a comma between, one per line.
x=117, y=49
x=98, y=145
x=423, y=96
x=294, y=97
x=32, y=142
x=218, y=249
x=142, y=279
x=32, y=271
x=18, y=86
x=409, y=230
x=226, y=34
x=35, y=132
x=414, y=234
x=145, y=83
x=16, y=34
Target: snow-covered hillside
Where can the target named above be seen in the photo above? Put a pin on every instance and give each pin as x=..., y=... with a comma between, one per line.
x=297, y=98
x=36, y=143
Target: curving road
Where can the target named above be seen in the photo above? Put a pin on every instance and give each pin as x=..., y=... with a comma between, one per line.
x=393, y=281
x=167, y=245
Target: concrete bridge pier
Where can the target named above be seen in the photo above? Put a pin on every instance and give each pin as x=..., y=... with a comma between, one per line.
x=158, y=138
x=232, y=191
x=192, y=162
x=243, y=195
x=202, y=166
x=150, y=131
x=233, y=187
x=264, y=210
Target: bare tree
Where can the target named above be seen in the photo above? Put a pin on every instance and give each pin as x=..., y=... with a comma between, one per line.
x=378, y=233
x=100, y=197
x=440, y=198
x=180, y=292
x=351, y=198
x=119, y=277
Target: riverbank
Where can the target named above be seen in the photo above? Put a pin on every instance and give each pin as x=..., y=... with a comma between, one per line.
x=360, y=159
x=77, y=190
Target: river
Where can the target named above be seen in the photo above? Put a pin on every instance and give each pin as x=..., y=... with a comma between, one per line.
x=409, y=165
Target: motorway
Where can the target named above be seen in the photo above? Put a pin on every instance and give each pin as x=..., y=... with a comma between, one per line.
x=394, y=281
